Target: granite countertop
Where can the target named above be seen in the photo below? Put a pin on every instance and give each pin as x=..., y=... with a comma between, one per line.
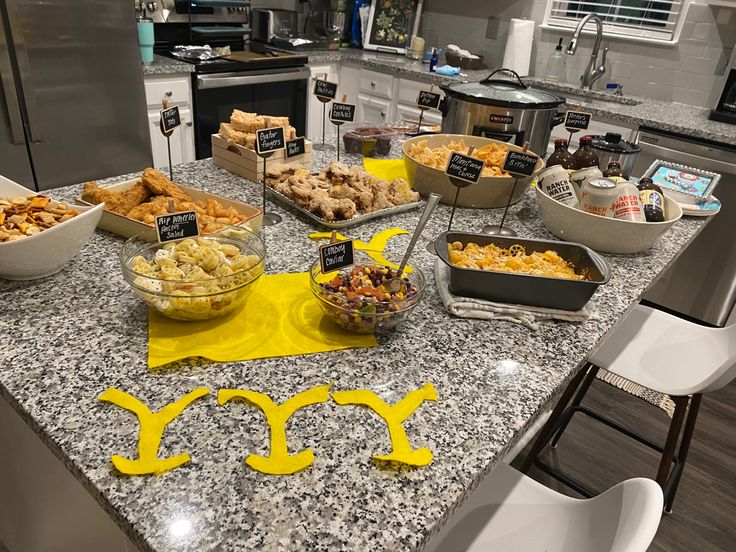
x=678, y=118
x=165, y=65
x=83, y=330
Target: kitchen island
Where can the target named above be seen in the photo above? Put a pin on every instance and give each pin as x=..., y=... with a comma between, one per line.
x=67, y=338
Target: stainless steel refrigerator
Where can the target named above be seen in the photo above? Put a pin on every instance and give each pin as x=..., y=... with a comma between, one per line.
x=72, y=102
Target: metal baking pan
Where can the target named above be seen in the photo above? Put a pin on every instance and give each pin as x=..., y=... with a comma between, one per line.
x=525, y=289
x=337, y=224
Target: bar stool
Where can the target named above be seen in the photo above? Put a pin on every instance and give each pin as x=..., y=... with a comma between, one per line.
x=510, y=512
x=663, y=353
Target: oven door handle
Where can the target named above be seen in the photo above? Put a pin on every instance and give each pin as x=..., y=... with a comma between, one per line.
x=211, y=81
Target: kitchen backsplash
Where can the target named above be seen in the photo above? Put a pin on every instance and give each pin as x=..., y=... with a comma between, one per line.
x=688, y=72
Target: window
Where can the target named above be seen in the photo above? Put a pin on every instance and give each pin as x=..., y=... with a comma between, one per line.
x=658, y=20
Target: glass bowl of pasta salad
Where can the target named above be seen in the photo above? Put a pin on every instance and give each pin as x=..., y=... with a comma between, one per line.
x=196, y=278
x=367, y=298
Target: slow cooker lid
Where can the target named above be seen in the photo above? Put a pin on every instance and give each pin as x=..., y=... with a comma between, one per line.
x=612, y=142
x=503, y=92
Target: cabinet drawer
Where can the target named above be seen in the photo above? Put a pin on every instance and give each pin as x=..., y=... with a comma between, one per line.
x=376, y=84
x=409, y=90
x=410, y=113
x=175, y=90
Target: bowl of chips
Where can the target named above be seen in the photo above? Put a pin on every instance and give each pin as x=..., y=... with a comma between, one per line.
x=40, y=235
x=195, y=278
x=426, y=157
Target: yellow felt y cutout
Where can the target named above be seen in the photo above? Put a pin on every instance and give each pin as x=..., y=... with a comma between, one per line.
x=394, y=416
x=151, y=432
x=374, y=248
x=279, y=461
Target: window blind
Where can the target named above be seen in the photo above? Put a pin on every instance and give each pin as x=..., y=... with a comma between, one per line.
x=640, y=18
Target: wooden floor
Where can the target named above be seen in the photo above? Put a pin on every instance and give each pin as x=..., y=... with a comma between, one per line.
x=704, y=516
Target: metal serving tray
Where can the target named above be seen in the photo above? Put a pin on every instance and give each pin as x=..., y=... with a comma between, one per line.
x=525, y=289
x=337, y=224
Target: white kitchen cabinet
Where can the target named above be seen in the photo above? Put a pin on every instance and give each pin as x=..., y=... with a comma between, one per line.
x=411, y=113
x=314, y=106
x=176, y=89
x=373, y=110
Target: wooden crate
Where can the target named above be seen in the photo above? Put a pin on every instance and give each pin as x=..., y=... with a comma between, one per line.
x=246, y=163
x=127, y=227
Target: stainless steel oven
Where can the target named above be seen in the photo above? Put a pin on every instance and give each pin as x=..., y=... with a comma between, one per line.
x=278, y=92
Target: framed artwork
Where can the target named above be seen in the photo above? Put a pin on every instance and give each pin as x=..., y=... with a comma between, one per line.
x=391, y=24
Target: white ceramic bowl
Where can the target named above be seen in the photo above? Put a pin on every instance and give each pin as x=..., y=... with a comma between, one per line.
x=489, y=192
x=47, y=252
x=601, y=233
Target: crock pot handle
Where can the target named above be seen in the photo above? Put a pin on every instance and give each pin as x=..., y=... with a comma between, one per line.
x=503, y=70
x=558, y=119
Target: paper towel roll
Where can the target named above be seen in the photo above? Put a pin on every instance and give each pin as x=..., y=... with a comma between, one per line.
x=518, y=53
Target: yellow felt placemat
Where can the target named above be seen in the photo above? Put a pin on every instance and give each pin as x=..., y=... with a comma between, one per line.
x=281, y=317
x=387, y=169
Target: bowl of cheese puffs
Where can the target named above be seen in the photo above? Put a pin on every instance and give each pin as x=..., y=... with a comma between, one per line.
x=195, y=278
x=425, y=159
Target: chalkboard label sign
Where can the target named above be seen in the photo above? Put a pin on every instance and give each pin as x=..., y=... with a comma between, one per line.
x=295, y=147
x=428, y=100
x=465, y=168
x=342, y=112
x=170, y=119
x=577, y=120
x=325, y=89
x=269, y=140
x=176, y=226
x=334, y=256
x=520, y=164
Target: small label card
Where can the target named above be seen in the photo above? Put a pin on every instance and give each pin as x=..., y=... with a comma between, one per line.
x=295, y=147
x=342, y=113
x=334, y=256
x=577, y=120
x=325, y=89
x=519, y=163
x=464, y=167
x=176, y=226
x=428, y=100
x=170, y=119
x=269, y=140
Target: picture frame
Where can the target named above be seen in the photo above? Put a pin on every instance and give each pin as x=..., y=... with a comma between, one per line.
x=685, y=184
x=392, y=24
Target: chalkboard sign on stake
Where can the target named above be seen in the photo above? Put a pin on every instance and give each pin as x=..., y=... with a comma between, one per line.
x=296, y=147
x=427, y=99
x=325, y=90
x=334, y=256
x=169, y=119
x=340, y=113
x=576, y=121
x=325, y=100
x=269, y=141
x=463, y=171
x=176, y=226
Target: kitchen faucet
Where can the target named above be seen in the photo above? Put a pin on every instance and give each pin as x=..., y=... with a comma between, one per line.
x=593, y=71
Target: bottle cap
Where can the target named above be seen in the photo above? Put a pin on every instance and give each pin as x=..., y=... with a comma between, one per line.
x=561, y=142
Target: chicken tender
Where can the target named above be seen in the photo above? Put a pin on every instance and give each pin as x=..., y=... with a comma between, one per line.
x=117, y=202
x=162, y=186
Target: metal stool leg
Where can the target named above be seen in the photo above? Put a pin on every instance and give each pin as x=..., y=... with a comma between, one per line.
x=546, y=432
x=673, y=435
x=687, y=436
x=589, y=379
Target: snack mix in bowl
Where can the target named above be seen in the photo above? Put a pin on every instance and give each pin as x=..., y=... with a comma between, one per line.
x=194, y=279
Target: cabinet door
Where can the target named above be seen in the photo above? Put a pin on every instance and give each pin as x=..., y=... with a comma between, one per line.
x=411, y=113
x=182, y=140
x=314, y=106
x=373, y=110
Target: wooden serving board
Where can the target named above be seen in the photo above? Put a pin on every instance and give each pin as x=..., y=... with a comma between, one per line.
x=127, y=227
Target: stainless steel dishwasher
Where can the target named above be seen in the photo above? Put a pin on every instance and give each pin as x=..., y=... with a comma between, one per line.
x=701, y=284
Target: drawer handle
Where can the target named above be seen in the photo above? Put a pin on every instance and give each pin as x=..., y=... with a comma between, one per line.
x=383, y=114
x=189, y=123
x=373, y=84
x=169, y=94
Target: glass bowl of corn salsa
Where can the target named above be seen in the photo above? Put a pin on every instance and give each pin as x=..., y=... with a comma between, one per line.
x=367, y=297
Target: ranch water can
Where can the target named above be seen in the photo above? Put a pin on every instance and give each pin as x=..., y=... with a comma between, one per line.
x=581, y=176
x=555, y=182
x=628, y=204
x=598, y=195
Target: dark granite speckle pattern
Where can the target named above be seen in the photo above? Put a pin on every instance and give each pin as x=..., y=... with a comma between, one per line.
x=165, y=66
x=67, y=338
x=687, y=120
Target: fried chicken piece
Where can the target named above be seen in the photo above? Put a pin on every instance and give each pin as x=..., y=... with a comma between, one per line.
x=380, y=201
x=400, y=192
x=341, y=191
x=330, y=208
x=159, y=205
x=117, y=202
x=162, y=186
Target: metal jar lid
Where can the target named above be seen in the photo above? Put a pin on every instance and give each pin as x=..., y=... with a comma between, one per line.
x=502, y=93
x=602, y=183
x=612, y=142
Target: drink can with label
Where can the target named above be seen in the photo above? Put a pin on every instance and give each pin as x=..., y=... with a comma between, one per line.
x=555, y=182
x=598, y=195
x=627, y=205
x=579, y=177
